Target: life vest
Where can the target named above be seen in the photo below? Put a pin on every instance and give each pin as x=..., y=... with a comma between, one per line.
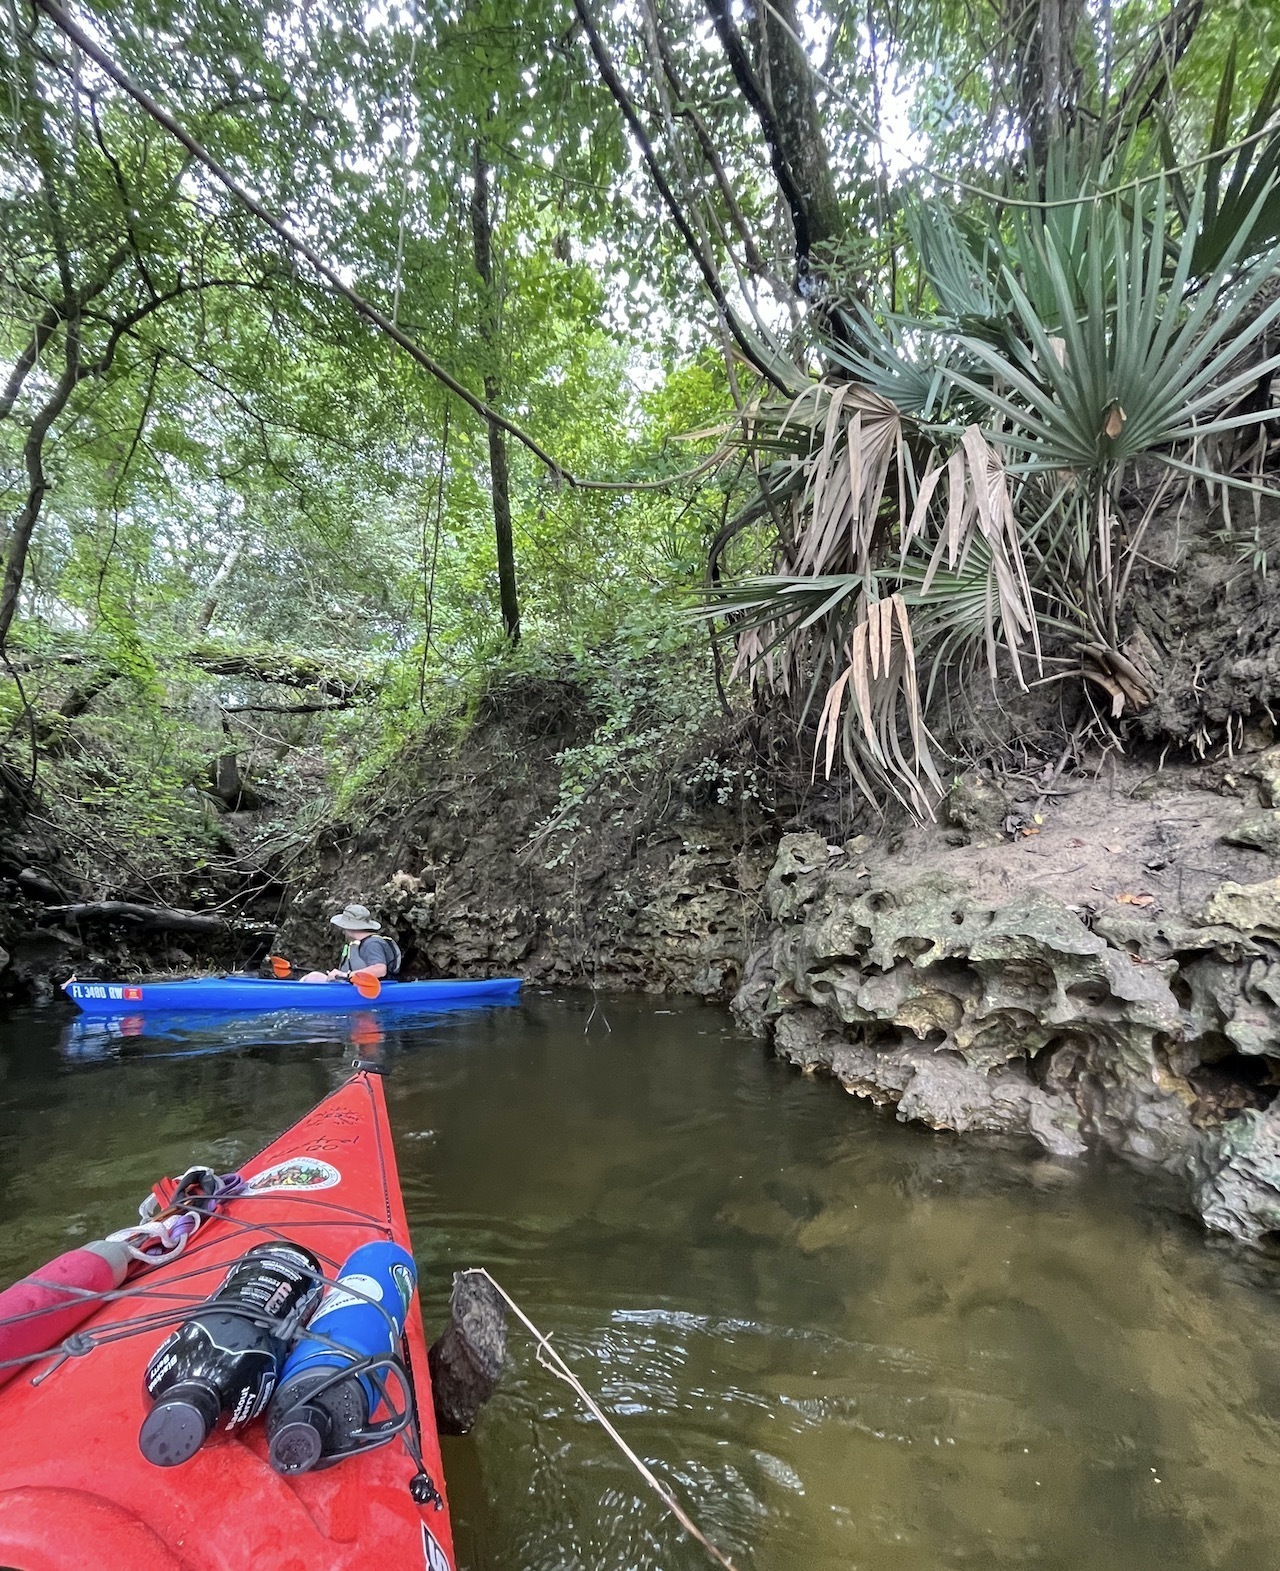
x=351, y=960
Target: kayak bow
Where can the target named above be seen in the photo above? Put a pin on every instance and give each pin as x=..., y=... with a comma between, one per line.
x=76, y=1492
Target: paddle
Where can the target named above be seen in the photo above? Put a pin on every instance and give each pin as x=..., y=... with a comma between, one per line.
x=364, y=982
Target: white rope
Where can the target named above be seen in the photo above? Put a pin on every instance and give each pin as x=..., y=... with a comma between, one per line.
x=152, y=1242
x=551, y=1360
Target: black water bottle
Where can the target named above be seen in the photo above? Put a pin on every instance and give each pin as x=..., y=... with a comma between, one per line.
x=220, y=1366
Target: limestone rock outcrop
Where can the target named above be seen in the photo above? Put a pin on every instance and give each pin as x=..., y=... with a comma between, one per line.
x=1158, y=1037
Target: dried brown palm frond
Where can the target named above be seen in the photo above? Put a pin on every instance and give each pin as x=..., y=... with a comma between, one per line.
x=833, y=621
x=855, y=439
x=979, y=507
x=763, y=655
x=867, y=705
x=1108, y=348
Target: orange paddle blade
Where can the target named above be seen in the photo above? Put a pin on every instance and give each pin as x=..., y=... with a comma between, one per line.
x=366, y=984
x=280, y=967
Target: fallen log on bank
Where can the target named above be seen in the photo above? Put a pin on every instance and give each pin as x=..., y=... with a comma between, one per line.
x=322, y=672
x=284, y=667
x=161, y=919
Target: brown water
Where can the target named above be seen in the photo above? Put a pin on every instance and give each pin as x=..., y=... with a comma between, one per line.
x=847, y=1344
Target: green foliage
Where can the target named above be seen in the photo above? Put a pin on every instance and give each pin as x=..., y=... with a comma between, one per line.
x=1085, y=341
x=651, y=688
x=1238, y=192
x=241, y=460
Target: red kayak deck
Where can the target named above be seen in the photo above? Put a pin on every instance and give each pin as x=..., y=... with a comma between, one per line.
x=76, y=1493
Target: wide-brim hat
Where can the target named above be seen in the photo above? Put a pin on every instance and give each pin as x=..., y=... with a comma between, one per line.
x=356, y=919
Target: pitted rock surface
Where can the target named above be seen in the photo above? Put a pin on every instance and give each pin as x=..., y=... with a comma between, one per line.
x=1159, y=1038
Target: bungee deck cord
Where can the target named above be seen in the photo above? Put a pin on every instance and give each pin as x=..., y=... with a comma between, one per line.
x=383, y=1370
x=402, y=1420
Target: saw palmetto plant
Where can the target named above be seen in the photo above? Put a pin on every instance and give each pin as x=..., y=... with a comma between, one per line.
x=947, y=498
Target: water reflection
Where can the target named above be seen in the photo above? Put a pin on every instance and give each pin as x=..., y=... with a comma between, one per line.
x=169, y=1033
x=848, y=1344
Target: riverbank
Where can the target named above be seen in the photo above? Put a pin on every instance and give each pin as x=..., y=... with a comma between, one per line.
x=1082, y=951
x=1105, y=974
x=1090, y=961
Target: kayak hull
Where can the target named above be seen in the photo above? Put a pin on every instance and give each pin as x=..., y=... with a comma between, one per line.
x=75, y=1490
x=246, y=994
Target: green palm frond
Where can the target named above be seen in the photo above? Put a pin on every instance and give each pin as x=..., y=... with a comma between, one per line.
x=1235, y=182
x=904, y=360
x=949, y=495
x=1145, y=364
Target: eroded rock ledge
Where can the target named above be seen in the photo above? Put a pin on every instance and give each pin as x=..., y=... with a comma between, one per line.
x=1157, y=1036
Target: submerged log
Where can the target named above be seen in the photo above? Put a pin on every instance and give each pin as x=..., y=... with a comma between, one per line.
x=466, y=1360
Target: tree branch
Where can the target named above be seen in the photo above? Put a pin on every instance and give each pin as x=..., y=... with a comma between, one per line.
x=44, y=330
x=165, y=919
x=687, y=110
x=705, y=266
x=62, y=20
x=754, y=93
x=288, y=709
x=47, y=325
x=122, y=190
x=280, y=667
x=121, y=326
x=1151, y=77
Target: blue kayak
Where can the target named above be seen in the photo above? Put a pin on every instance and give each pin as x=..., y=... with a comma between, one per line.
x=254, y=994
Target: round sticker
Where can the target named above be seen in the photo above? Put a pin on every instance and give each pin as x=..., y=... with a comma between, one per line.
x=300, y=1172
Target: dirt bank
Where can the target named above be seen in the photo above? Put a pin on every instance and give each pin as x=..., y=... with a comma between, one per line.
x=470, y=852
x=61, y=916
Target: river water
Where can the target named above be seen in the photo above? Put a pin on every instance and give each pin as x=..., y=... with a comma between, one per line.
x=845, y=1344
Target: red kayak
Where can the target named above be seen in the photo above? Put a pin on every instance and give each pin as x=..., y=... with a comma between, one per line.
x=75, y=1491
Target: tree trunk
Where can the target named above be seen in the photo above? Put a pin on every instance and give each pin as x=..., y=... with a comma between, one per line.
x=779, y=88
x=19, y=542
x=68, y=309
x=482, y=242
x=1046, y=36
x=209, y=606
x=782, y=65
x=228, y=786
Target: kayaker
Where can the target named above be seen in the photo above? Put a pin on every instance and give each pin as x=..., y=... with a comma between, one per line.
x=363, y=950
